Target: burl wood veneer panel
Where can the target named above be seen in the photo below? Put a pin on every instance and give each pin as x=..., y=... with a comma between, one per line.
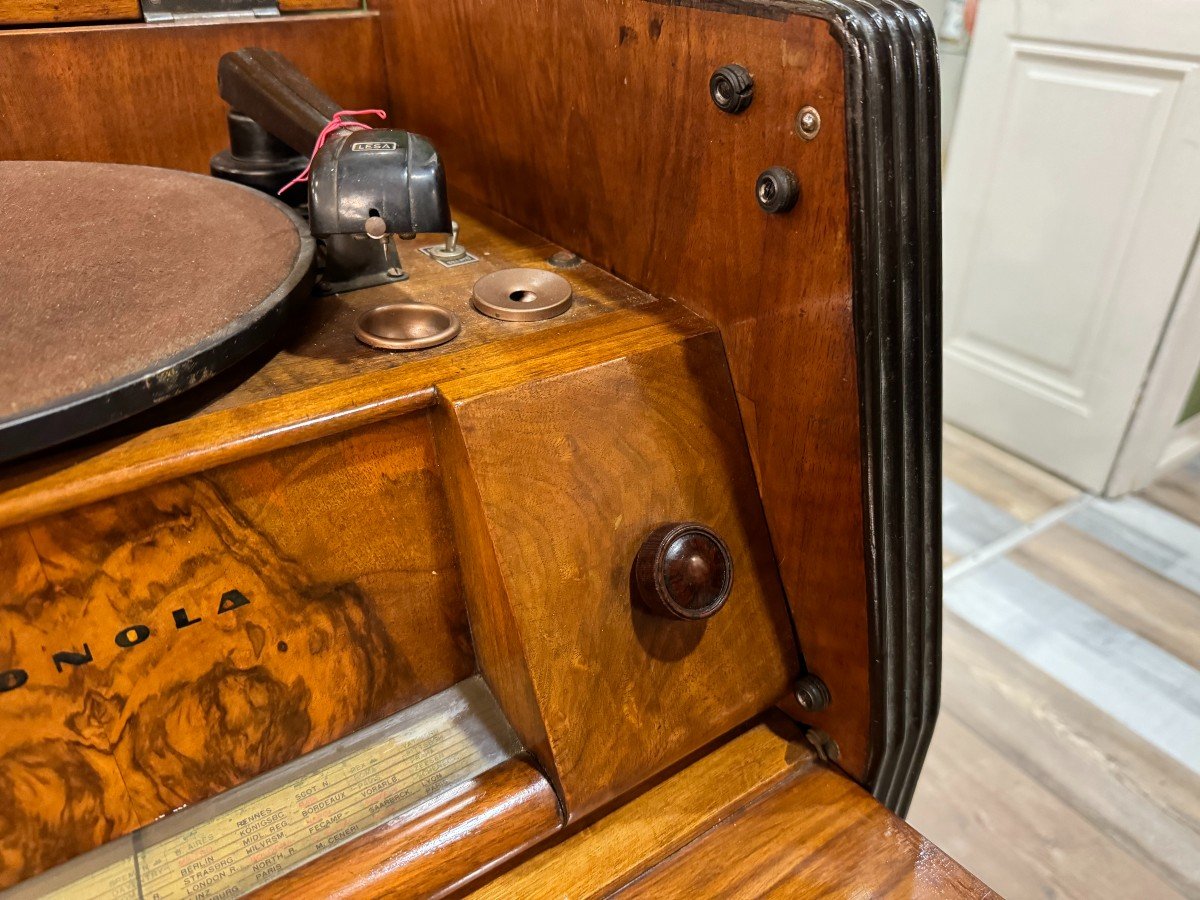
x=555, y=483
x=147, y=94
x=164, y=645
x=600, y=133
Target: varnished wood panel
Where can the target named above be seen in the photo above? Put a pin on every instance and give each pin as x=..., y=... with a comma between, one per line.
x=321, y=380
x=817, y=835
x=637, y=170
x=289, y=6
x=634, y=837
x=40, y=12
x=569, y=474
x=222, y=624
x=475, y=826
x=151, y=96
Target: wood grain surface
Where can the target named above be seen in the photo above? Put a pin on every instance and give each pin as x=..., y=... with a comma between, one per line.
x=568, y=475
x=616, y=151
x=1026, y=833
x=817, y=835
x=630, y=839
x=290, y=6
x=320, y=380
x=1128, y=594
x=154, y=99
x=1179, y=491
x=473, y=827
x=1038, y=787
x=43, y=12
x=176, y=641
x=1019, y=488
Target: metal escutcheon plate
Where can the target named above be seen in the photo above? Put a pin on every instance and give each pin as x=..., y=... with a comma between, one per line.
x=522, y=295
x=406, y=326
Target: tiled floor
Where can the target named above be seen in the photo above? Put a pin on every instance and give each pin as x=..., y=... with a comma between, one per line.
x=1066, y=761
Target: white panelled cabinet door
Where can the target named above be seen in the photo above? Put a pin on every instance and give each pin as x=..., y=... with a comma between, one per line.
x=1072, y=205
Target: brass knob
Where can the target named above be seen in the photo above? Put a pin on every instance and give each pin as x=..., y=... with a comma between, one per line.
x=684, y=571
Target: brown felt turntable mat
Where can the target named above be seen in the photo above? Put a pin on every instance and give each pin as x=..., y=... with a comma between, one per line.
x=107, y=271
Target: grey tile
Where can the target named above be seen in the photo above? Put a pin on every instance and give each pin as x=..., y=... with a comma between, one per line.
x=1148, y=690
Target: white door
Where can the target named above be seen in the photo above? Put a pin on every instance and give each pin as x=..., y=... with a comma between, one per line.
x=1072, y=208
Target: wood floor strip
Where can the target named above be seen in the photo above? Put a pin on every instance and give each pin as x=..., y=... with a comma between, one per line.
x=996, y=549
x=1019, y=838
x=969, y=522
x=1019, y=488
x=1114, y=585
x=1152, y=692
x=1147, y=802
x=1154, y=537
x=1179, y=491
x=1060, y=766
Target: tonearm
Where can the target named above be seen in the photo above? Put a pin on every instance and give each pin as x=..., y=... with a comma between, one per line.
x=366, y=186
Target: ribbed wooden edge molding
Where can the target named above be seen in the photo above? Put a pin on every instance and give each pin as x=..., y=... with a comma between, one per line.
x=893, y=143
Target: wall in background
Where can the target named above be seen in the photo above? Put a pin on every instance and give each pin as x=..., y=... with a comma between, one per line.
x=1191, y=408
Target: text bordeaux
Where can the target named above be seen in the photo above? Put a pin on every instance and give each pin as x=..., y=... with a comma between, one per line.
x=127, y=637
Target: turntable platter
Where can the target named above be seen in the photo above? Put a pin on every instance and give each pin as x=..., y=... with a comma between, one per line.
x=122, y=286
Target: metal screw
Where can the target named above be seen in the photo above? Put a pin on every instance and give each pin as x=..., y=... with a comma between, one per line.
x=777, y=189
x=826, y=747
x=731, y=88
x=451, y=249
x=811, y=693
x=808, y=123
x=391, y=254
x=564, y=259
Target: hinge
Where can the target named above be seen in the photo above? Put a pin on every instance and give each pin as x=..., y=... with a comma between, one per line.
x=182, y=10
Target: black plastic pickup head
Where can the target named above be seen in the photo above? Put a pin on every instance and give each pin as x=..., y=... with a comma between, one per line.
x=381, y=173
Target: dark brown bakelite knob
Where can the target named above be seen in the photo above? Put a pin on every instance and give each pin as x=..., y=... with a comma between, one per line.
x=684, y=571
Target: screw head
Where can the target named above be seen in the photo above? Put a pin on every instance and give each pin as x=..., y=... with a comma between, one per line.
x=811, y=693
x=808, y=123
x=376, y=228
x=731, y=88
x=777, y=189
x=565, y=259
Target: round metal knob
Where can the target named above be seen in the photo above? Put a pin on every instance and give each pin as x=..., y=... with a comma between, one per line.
x=684, y=571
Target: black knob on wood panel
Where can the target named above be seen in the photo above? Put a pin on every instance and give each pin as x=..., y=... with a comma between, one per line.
x=684, y=571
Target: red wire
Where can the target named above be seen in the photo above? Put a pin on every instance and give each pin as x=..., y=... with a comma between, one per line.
x=335, y=124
